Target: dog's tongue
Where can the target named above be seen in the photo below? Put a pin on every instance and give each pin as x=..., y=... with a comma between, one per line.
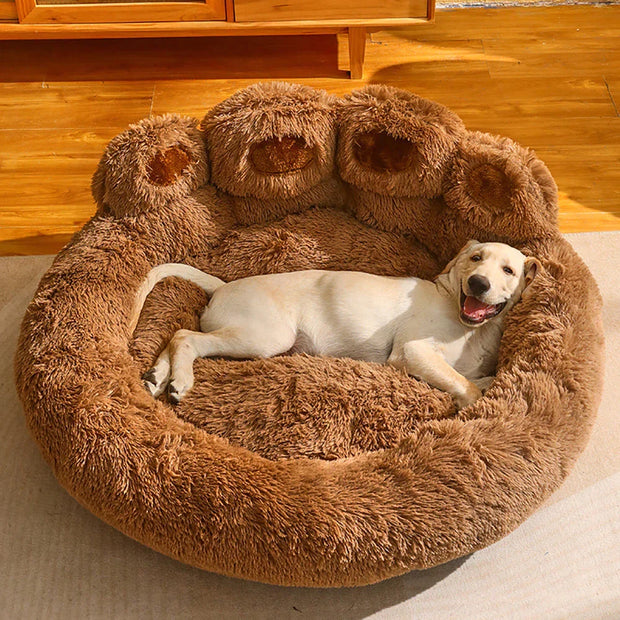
x=476, y=309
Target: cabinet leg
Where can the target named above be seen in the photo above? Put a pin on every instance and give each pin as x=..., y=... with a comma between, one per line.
x=357, y=49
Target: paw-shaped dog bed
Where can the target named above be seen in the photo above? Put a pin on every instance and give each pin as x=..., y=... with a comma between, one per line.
x=303, y=470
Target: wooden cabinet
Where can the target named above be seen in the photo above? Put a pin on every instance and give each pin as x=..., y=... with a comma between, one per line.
x=8, y=10
x=102, y=11
x=58, y=19
x=277, y=10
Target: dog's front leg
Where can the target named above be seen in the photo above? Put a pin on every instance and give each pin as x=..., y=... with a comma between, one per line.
x=421, y=360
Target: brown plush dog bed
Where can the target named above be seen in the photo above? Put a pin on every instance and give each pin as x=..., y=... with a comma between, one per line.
x=302, y=470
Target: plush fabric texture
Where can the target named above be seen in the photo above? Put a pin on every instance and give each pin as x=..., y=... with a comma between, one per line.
x=301, y=470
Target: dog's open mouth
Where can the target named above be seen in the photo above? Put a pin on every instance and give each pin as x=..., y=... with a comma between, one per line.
x=474, y=311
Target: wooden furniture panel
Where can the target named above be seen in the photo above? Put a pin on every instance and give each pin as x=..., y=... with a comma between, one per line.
x=30, y=12
x=275, y=10
x=8, y=10
x=357, y=49
x=150, y=30
x=58, y=19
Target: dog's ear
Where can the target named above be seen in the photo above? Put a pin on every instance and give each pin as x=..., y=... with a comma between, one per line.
x=466, y=247
x=531, y=268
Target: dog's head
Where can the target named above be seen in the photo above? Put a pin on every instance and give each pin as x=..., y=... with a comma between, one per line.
x=487, y=279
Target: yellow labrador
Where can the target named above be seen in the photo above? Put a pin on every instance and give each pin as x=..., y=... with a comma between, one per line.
x=445, y=332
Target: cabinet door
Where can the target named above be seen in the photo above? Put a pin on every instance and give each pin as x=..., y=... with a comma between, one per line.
x=8, y=11
x=293, y=10
x=93, y=11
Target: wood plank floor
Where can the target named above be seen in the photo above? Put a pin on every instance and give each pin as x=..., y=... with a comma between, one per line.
x=547, y=77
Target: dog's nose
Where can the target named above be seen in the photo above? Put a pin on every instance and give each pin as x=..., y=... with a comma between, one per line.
x=478, y=284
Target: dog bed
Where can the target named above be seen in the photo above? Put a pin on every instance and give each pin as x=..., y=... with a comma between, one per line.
x=303, y=470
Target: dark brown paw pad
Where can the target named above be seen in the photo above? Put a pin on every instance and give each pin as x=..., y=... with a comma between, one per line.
x=502, y=188
x=382, y=152
x=155, y=161
x=290, y=146
x=394, y=143
x=281, y=155
x=165, y=167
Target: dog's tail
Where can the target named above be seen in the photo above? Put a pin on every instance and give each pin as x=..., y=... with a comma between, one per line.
x=205, y=281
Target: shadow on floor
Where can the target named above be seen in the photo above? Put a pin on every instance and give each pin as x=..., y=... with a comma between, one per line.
x=358, y=603
x=36, y=244
x=265, y=57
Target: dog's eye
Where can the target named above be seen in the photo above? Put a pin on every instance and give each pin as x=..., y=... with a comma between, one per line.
x=476, y=257
x=509, y=271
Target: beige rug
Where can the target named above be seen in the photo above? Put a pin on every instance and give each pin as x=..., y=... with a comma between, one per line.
x=57, y=561
x=494, y=4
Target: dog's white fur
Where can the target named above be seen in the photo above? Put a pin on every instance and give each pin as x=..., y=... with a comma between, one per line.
x=410, y=323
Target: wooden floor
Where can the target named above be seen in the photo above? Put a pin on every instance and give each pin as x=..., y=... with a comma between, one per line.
x=547, y=77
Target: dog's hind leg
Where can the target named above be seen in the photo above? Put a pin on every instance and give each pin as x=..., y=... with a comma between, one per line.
x=234, y=342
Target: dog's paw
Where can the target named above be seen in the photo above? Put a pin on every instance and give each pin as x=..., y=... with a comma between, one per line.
x=178, y=388
x=484, y=383
x=472, y=394
x=154, y=381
